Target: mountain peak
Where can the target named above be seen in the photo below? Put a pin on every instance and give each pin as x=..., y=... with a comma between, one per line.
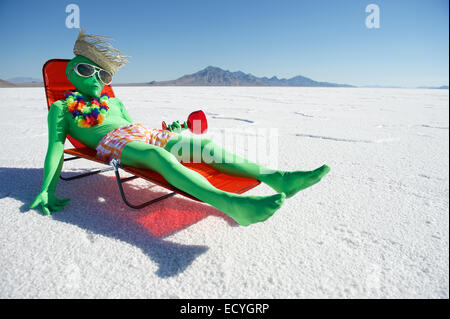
x=212, y=68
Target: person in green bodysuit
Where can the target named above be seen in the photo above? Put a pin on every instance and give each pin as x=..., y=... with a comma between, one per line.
x=244, y=209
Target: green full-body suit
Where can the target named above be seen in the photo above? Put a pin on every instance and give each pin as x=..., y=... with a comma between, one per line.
x=242, y=208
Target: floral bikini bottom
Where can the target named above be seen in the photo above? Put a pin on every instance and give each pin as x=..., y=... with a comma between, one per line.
x=111, y=145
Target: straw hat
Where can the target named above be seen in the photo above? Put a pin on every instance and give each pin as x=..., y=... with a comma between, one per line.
x=98, y=50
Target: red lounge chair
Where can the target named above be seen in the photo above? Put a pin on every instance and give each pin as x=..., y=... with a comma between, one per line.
x=56, y=84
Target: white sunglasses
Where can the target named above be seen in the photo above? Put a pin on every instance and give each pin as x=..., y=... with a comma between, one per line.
x=87, y=70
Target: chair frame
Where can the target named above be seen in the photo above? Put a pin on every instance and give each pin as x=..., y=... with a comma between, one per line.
x=115, y=166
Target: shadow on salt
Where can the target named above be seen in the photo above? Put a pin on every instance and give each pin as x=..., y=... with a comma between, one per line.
x=96, y=207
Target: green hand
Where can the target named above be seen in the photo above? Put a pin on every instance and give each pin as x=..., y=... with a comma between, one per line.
x=56, y=203
x=176, y=127
x=49, y=202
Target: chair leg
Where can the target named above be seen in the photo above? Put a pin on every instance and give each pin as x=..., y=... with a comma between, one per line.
x=120, y=181
x=83, y=174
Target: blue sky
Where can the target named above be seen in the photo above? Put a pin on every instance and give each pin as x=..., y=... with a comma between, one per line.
x=326, y=40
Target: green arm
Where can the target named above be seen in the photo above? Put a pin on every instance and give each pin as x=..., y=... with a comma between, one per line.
x=55, y=179
x=57, y=131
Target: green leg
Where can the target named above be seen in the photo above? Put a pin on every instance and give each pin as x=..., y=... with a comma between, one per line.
x=245, y=210
x=281, y=181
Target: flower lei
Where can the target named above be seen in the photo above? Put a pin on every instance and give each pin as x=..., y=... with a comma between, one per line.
x=87, y=115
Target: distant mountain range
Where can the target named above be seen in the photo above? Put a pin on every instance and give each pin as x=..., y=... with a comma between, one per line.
x=214, y=76
x=23, y=79
x=6, y=84
x=21, y=82
x=443, y=87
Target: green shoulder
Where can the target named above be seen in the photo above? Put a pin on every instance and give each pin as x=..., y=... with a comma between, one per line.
x=59, y=106
x=115, y=100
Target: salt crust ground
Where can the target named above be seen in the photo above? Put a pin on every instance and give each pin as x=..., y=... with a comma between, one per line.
x=376, y=226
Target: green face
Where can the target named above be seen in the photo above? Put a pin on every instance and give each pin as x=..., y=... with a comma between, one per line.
x=90, y=86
